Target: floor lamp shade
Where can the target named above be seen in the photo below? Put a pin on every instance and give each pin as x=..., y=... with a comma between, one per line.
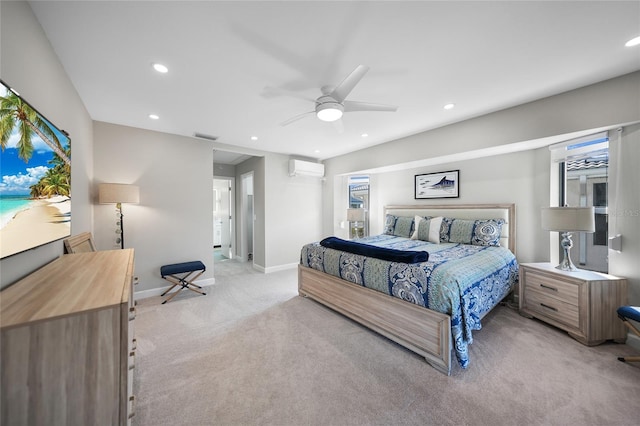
x=567, y=220
x=109, y=193
x=118, y=193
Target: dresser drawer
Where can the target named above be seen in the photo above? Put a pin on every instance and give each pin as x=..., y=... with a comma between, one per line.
x=537, y=302
x=552, y=287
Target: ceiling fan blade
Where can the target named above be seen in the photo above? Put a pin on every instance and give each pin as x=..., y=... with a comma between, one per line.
x=367, y=106
x=343, y=89
x=269, y=92
x=296, y=118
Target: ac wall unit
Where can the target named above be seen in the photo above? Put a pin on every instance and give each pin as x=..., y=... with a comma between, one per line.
x=305, y=168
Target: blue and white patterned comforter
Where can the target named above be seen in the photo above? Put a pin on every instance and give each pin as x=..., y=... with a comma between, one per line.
x=461, y=280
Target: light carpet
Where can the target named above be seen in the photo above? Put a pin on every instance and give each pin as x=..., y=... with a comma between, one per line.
x=252, y=352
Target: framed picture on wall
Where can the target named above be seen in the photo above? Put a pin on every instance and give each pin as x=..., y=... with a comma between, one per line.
x=437, y=185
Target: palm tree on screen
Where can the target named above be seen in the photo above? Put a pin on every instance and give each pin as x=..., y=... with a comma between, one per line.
x=15, y=113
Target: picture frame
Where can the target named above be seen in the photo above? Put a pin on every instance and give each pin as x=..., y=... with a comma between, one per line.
x=437, y=185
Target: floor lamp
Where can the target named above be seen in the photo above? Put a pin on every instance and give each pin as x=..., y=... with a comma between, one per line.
x=118, y=193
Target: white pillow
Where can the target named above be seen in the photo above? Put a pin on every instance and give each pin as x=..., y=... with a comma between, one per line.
x=416, y=222
x=434, y=229
x=433, y=225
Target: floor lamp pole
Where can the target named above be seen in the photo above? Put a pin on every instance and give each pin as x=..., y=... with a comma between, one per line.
x=119, y=206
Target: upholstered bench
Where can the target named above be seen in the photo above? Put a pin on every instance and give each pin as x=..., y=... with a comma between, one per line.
x=183, y=275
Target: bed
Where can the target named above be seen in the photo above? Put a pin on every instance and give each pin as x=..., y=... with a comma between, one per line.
x=432, y=306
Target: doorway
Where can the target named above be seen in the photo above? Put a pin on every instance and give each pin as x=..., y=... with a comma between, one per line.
x=223, y=218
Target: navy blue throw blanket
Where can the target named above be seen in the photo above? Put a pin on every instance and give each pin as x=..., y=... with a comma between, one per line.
x=391, y=255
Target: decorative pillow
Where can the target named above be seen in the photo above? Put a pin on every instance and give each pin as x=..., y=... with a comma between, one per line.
x=399, y=226
x=389, y=224
x=434, y=230
x=481, y=232
x=487, y=232
x=427, y=229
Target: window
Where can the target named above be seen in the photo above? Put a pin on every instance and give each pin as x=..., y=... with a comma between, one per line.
x=584, y=169
x=359, y=199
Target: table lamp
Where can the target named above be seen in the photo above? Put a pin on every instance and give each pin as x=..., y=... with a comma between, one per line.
x=567, y=220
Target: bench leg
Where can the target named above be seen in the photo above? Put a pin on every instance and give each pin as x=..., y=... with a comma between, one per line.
x=184, y=282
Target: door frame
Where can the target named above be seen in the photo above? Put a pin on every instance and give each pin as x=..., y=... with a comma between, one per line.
x=232, y=213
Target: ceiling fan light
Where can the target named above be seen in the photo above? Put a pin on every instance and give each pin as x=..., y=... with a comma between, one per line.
x=328, y=112
x=633, y=42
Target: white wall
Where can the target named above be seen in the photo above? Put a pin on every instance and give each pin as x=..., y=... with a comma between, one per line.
x=29, y=64
x=219, y=170
x=508, y=178
x=293, y=212
x=624, y=206
x=174, y=221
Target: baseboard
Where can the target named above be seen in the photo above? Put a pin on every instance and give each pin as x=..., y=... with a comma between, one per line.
x=276, y=268
x=633, y=341
x=143, y=294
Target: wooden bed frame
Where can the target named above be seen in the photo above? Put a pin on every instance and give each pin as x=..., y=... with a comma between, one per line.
x=421, y=330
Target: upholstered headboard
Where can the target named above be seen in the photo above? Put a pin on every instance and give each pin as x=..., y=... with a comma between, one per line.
x=467, y=211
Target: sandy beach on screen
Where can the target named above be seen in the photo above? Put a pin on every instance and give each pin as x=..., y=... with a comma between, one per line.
x=48, y=220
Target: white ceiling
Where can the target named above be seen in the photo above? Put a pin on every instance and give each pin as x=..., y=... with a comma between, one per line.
x=482, y=56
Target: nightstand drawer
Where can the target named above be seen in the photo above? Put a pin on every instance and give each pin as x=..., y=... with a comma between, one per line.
x=551, y=307
x=552, y=287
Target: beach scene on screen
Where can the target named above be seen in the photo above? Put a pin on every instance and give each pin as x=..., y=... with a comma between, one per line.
x=35, y=164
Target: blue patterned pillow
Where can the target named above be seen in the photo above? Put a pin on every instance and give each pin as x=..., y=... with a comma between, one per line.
x=399, y=226
x=487, y=232
x=481, y=232
x=389, y=224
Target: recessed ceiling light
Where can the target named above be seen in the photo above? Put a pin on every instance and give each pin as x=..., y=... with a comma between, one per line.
x=160, y=68
x=633, y=42
x=449, y=106
x=254, y=138
x=153, y=116
x=317, y=151
x=364, y=135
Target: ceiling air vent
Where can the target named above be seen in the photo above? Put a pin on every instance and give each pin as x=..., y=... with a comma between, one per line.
x=205, y=136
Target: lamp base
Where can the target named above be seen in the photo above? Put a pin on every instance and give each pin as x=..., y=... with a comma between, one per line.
x=566, y=264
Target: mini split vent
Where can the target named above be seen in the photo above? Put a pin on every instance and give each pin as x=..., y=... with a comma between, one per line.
x=205, y=136
x=305, y=168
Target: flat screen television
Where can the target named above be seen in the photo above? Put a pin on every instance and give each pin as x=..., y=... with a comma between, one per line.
x=35, y=163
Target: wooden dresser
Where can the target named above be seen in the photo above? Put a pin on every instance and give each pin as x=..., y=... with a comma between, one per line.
x=583, y=303
x=67, y=345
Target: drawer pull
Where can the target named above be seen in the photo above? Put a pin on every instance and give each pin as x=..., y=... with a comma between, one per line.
x=134, y=344
x=549, y=307
x=132, y=314
x=132, y=360
x=548, y=287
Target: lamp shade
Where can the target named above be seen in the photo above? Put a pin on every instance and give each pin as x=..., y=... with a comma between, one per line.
x=568, y=219
x=110, y=193
x=355, y=215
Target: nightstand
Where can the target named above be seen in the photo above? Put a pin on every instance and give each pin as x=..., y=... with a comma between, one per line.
x=583, y=303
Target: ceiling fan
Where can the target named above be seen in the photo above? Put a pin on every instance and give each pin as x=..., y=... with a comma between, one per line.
x=332, y=104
